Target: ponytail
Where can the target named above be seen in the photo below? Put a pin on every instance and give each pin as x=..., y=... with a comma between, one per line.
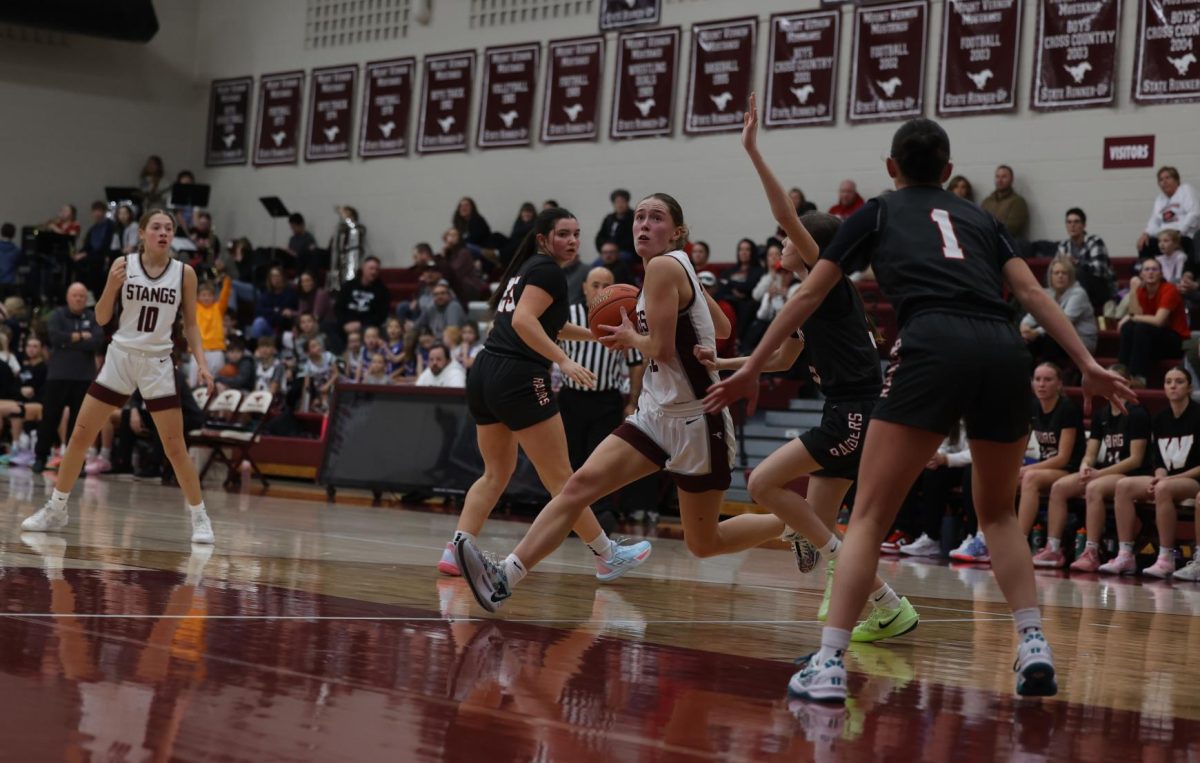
x=543, y=225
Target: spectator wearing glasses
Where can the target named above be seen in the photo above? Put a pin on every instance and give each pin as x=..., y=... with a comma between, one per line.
x=445, y=311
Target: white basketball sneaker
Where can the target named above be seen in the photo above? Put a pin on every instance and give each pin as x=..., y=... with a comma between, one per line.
x=46, y=519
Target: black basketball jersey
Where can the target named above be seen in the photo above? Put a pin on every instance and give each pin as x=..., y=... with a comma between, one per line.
x=842, y=351
x=1048, y=428
x=1116, y=431
x=543, y=272
x=929, y=250
x=1175, y=446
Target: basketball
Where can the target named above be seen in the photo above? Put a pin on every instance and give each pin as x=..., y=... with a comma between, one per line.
x=606, y=310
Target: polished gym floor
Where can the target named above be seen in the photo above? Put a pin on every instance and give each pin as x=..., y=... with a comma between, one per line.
x=322, y=632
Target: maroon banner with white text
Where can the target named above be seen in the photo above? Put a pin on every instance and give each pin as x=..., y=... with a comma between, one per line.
x=509, y=80
x=574, y=73
x=720, y=76
x=330, y=113
x=644, y=95
x=887, y=67
x=619, y=14
x=1167, y=69
x=228, y=122
x=802, y=69
x=981, y=42
x=1075, y=63
x=277, y=138
x=445, y=102
x=387, y=102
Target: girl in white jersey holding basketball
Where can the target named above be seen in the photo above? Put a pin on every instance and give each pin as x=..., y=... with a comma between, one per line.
x=153, y=289
x=670, y=429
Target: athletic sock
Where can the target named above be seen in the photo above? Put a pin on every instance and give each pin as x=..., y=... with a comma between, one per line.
x=58, y=500
x=1126, y=548
x=461, y=534
x=1093, y=545
x=514, y=570
x=834, y=641
x=1027, y=619
x=106, y=454
x=601, y=546
x=832, y=547
x=197, y=509
x=1166, y=552
x=1054, y=544
x=885, y=597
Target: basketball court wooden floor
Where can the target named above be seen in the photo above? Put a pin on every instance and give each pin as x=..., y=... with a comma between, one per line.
x=321, y=632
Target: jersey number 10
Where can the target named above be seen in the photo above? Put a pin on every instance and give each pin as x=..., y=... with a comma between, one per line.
x=950, y=248
x=147, y=318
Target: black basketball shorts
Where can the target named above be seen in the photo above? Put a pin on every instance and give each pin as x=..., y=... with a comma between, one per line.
x=947, y=366
x=509, y=391
x=837, y=443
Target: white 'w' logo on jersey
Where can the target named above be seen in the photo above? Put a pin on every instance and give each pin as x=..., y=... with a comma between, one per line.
x=1174, y=451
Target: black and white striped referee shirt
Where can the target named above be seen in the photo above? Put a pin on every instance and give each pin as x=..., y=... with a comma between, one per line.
x=608, y=366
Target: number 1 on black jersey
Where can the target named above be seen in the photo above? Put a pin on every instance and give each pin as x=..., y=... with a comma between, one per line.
x=950, y=248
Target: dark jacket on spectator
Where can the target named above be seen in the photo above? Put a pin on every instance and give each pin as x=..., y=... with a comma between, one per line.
x=98, y=241
x=520, y=230
x=366, y=304
x=10, y=257
x=243, y=379
x=316, y=302
x=73, y=360
x=619, y=230
x=465, y=280
x=474, y=231
x=270, y=304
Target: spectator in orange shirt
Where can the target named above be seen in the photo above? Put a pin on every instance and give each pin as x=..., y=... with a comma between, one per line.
x=1156, y=325
x=210, y=317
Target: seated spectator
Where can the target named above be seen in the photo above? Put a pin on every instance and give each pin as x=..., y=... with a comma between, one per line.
x=1058, y=432
x=1156, y=326
x=452, y=337
x=311, y=298
x=238, y=371
x=848, y=200
x=31, y=381
x=961, y=187
x=727, y=347
x=738, y=282
x=65, y=223
x=446, y=311
x=210, y=317
x=295, y=341
x=1070, y=296
x=188, y=213
x=1008, y=206
x=1176, y=454
x=422, y=299
x=1171, y=257
x=1124, y=437
x=442, y=371
x=276, y=308
x=372, y=345
x=469, y=345
x=610, y=258
x=151, y=184
x=7, y=356
x=270, y=375
x=208, y=246
x=363, y=300
x=318, y=374
x=125, y=231
x=10, y=255
x=617, y=226
x=1090, y=257
x=301, y=243
x=1177, y=207
x=91, y=259
x=393, y=346
x=576, y=273
x=474, y=231
x=411, y=361
x=772, y=291
x=460, y=268
x=948, y=469
x=352, y=358
x=237, y=263
x=520, y=229
x=700, y=255
x=800, y=202
x=375, y=371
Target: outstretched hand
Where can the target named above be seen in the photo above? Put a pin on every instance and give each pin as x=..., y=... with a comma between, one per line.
x=750, y=125
x=620, y=337
x=743, y=385
x=1100, y=382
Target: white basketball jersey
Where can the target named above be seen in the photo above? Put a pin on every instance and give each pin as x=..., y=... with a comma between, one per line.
x=677, y=386
x=148, y=307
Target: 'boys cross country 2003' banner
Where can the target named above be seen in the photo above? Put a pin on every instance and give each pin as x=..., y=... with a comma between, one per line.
x=1167, y=68
x=887, y=68
x=228, y=118
x=981, y=41
x=387, y=102
x=802, y=68
x=574, y=71
x=330, y=105
x=644, y=95
x=509, y=79
x=1075, y=63
x=719, y=80
x=277, y=139
x=445, y=102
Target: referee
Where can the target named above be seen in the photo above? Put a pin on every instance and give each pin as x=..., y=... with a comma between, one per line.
x=591, y=415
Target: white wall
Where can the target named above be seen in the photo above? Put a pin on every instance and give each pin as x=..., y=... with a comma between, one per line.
x=154, y=98
x=79, y=113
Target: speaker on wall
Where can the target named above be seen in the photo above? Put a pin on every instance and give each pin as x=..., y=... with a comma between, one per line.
x=130, y=20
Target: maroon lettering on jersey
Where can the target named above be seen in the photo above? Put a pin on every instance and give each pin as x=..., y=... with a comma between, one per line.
x=163, y=295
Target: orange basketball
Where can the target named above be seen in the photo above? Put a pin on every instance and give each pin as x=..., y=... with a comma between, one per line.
x=606, y=310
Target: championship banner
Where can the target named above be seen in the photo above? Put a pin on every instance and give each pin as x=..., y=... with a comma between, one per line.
x=802, y=69
x=277, y=136
x=644, y=95
x=719, y=79
x=887, y=66
x=387, y=102
x=981, y=42
x=619, y=14
x=1166, y=69
x=574, y=73
x=1074, y=66
x=330, y=113
x=445, y=102
x=509, y=79
x=228, y=119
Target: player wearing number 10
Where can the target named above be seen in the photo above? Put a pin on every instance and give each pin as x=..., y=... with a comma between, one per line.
x=152, y=289
x=944, y=263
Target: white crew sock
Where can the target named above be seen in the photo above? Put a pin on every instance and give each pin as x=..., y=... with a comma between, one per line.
x=1127, y=548
x=1054, y=543
x=1166, y=552
x=885, y=598
x=834, y=642
x=514, y=570
x=832, y=547
x=197, y=509
x=602, y=547
x=58, y=500
x=1093, y=545
x=106, y=454
x=460, y=534
x=1026, y=619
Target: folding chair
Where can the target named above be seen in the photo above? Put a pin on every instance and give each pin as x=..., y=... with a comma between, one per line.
x=219, y=417
x=231, y=443
x=200, y=395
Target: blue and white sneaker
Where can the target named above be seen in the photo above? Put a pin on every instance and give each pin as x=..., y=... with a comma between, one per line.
x=1035, y=666
x=626, y=555
x=484, y=575
x=806, y=553
x=976, y=551
x=824, y=682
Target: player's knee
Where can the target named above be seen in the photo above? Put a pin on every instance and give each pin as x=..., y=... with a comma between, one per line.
x=583, y=486
x=759, y=486
x=702, y=547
